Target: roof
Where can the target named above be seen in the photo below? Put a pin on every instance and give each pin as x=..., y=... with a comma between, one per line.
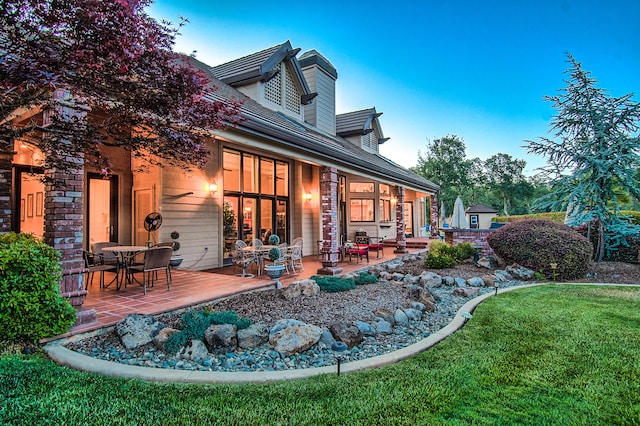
x=260, y=66
x=302, y=139
x=480, y=208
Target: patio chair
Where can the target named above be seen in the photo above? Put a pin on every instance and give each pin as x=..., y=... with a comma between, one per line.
x=357, y=250
x=294, y=255
x=105, y=257
x=93, y=265
x=155, y=259
x=243, y=258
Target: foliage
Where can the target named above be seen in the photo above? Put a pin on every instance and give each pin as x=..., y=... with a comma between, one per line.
x=99, y=69
x=274, y=240
x=506, y=179
x=591, y=158
x=31, y=306
x=552, y=216
x=442, y=255
x=628, y=251
x=229, y=220
x=274, y=253
x=439, y=261
x=195, y=323
x=365, y=278
x=537, y=243
x=543, y=355
x=334, y=284
x=464, y=251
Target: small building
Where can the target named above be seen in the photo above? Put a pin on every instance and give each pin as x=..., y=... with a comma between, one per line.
x=480, y=216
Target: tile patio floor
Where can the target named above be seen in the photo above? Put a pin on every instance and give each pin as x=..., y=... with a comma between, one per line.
x=190, y=288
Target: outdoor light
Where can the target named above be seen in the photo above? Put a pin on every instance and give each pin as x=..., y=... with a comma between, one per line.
x=554, y=267
x=495, y=284
x=211, y=187
x=307, y=196
x=338, y=348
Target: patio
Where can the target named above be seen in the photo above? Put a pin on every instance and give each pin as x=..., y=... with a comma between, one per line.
x=189, y=288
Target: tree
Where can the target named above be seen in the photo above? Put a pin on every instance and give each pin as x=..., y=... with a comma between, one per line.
x=445, y=163
x=506, y=179
x=104, y=74
x=592, y=155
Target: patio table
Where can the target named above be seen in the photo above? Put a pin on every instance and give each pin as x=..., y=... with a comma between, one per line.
x=125, y=256
x=259, y=253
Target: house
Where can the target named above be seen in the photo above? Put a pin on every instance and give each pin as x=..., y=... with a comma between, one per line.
x=479, y=216
x=292, y=167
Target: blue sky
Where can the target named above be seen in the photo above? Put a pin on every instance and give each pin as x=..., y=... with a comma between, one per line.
x=476, y=69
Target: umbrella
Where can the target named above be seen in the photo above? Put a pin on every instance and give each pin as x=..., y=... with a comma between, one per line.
x=443, y=215
x=459, y=219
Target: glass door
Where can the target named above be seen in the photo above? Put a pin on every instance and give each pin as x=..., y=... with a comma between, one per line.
x=408, y=219
x=29, y=205
x=102, y=209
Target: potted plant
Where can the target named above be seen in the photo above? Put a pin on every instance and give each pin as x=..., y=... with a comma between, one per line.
x=275, y=271
x=274, y=240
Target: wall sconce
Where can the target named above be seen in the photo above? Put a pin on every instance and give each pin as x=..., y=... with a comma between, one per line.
x=307, y=196
x=394, y=200
x=211, y=187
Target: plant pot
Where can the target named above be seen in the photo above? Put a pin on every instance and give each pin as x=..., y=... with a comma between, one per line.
x=275, y=272
x=176, y=260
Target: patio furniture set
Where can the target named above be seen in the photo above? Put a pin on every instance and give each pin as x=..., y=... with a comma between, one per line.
x=257, y=254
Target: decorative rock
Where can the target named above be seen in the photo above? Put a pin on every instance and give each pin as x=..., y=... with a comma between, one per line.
x=194, y=350
x=382, y=326
x=488, y=262
x=221, y=338
x=289, y=336
x=429, y=279
x=253, y=336
x=419, y=306
x=475, y=282
x=161, y=338
x=301, y=288
x=448, y=281
x=365, y=328
x=520, y=272
x=501, y=276
x=137, y=330
x=413, y=314
x=385, y=314
x=411, y=279
x=348, y=333
x=460, y=282
x=326, y=339
x=466, y=291
x=401, y=318
x=489, y=280
x=397, y=276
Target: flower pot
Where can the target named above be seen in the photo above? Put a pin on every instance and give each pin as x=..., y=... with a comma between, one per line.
x=275, y=272
x=176, y=260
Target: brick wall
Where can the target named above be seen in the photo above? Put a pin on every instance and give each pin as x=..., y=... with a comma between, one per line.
x=475, y=237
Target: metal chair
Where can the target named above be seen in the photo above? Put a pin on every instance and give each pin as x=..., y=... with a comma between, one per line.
x=241, y=257
x=155, y=259
x=294, y=255
x=92, y=267
x=105, y=257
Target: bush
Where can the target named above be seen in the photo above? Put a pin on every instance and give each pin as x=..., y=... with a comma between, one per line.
x=537, y=243
x=628, y=253
x=365, y=278
x=194, y=324
x=332, y=284
x=31, y=306
x=442, y=255
x=464, y=251
x=439, y=261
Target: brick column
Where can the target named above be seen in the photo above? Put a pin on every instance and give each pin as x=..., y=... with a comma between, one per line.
x=6, y=157
x=63, y=225
x=329, y=217
x=401, y=240
x=435, y=232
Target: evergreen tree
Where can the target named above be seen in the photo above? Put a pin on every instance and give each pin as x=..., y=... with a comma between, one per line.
x=592, y=155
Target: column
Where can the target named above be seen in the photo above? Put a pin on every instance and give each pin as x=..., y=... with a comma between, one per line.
x=401, y=240
x=329, y=218
x=435, y=232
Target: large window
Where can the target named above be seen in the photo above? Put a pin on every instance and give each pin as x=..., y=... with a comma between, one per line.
x=362, y=210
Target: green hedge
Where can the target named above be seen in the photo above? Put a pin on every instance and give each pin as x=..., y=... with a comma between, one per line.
x=31, y=306
x=557, y=217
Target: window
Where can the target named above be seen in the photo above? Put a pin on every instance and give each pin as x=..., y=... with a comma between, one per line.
x=361, y=187
x=362, y=210
x=385, y=210
x=384, y=189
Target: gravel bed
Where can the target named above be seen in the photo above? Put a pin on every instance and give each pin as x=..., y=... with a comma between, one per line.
x=320, y=310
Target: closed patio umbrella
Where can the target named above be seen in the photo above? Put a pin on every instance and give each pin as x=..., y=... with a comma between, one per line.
x=459, y=219
x=443, y=215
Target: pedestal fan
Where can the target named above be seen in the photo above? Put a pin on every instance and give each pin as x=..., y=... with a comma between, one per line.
x=151, y=223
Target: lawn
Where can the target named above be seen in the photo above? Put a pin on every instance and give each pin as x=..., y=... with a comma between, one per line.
x=561, y=355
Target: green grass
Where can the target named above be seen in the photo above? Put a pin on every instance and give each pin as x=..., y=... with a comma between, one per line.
x=560, y=355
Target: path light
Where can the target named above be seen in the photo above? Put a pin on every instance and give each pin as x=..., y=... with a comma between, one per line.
x=338, y=348
x=495, y=284
x=466, y=315
x=554, y=267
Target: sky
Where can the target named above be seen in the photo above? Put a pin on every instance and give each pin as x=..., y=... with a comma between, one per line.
x=478, y=69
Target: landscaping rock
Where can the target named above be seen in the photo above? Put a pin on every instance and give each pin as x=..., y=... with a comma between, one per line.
x=460, y=282
x=289, y=336
x=488, y=262
x=475, y=282
x=466, y=291
x=194, y=350
x=489, y=280
x=348, y=333
x=221, y=338
x=300, y=288
x=502, y=276
x=520, y=272
x=429, y=279
x=137, y=330
x=326, y=339
x=413, y=314
x=382, y=326
x=401, y=318
x=253, y=336
x=163, y=335
x=448, y=281
x=419, y=306
x=365, y=328
x=385, y=314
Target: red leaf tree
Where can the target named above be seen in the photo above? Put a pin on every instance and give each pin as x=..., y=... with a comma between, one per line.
x=103, y=73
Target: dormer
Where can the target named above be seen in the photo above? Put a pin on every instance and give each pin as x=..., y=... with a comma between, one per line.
x=272, y=77
x=361, y=128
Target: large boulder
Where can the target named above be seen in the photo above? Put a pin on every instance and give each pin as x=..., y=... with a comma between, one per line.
x=289, y=336
x=137, y=330
x=385, y=314
x=160, y=340
x=300, y=288
x=429, y=279
x=253, y=336
x=381, y=326
x=348, y=333
x=194, y=350
x=520, y=272
x=221, y=338
x=401, y=318
x=466, y=291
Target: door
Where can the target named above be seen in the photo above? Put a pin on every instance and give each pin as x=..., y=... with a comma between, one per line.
x=102, y=209
x=143, y=205
x=408, y=219
x=29, y=202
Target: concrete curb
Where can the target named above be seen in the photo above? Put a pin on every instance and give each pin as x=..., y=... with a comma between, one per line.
x=63, y=356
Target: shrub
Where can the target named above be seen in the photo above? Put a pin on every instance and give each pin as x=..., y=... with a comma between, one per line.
x=439, y=261
x=274, y=240
x=194, y=324
x=31, y=306
x=628, y=251
x=537, y=243
x=365, y=278
x=442, y=255
x=464, y=251
x=332, y=284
